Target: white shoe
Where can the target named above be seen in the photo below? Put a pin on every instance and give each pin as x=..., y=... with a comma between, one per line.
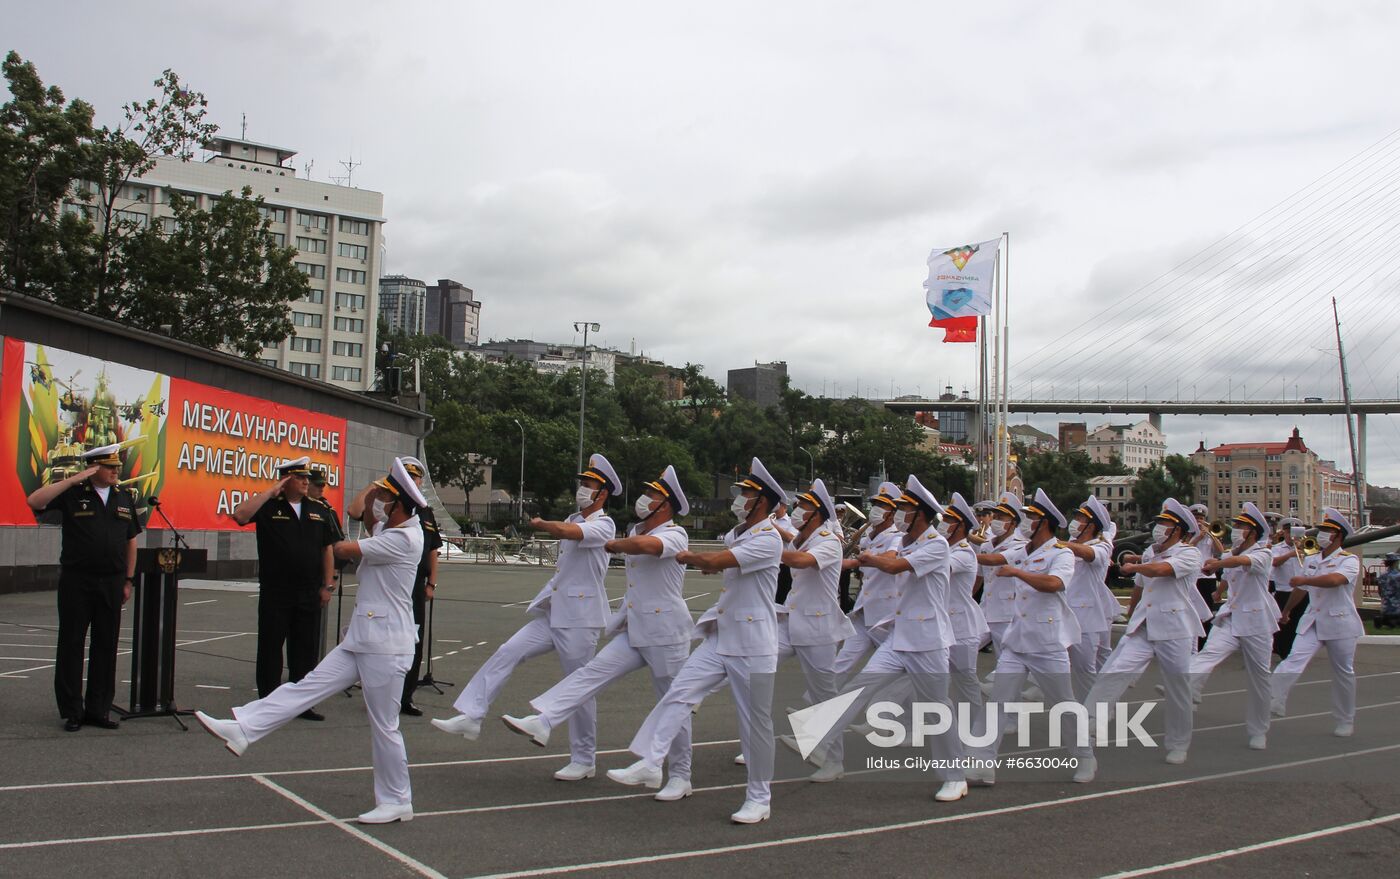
x=387, y=813
x=1343, y=730
x=741, y=761
x=1088, y=767
x=576, y=772
x=816, y=758
x=951, y=792
x=1258, y=743
x=531, y=726
x=461, y=725
x=675, y=789
x=1276, y=711
x=228, y=730
x=751, y=813
x=983, y=777
x=829, y=772
x=1176, y=757
x=639, y=773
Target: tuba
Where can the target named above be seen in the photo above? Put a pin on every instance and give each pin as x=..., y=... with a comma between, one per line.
x=851, y=517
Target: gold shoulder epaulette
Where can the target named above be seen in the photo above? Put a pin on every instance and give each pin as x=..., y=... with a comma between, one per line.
x=823, y=533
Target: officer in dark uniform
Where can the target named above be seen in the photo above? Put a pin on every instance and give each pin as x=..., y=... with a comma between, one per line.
x=296, y=574
x=95, y=570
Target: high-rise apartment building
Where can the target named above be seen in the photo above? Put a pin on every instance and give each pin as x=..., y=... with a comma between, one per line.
x=453, y=313
x=403, y=303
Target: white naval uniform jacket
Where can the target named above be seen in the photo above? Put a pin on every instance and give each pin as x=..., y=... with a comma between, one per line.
x=999, y=593
x=652, y=610
x=1284, y=573
x=813, y=610
x=1333, y=610
x=382, y=621
x=1249, y=609
x=1085, y=589
x=1043, y=621
x=745, y=617
x=878, y=591
x=921, y=607
x=1165, y=607
x=964, y=614
x=574, y=597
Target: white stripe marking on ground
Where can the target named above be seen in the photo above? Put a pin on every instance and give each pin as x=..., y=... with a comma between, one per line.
x=412, y=863
x=926, y=822
x=701, y=595
x=160, y=834
x=1259, y=846
x=205, y=601
x=211, y=687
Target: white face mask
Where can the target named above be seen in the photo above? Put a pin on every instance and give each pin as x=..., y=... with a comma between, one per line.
x=903, y=519
x=1025, y=527
x=879, y=516
x=998, y=527
x=379, y=514
x=1238, y=536
x=1076, y=530
x=643, y=507
x=584, y=497
x=945, y=529
x=1160, y=532
x=799, y=518
x=740, y=507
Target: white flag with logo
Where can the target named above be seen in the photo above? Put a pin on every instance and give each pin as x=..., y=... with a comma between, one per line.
x=960, y=280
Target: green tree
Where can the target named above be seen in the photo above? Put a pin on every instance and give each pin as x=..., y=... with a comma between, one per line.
x=1174, y=476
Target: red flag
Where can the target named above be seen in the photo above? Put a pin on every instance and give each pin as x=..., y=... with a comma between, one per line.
x=957, y=329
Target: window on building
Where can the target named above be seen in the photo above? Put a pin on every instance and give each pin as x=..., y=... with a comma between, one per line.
x=276, y=215
x=80, y=210
x=310, y=346
x=136, y=218
x=313, y=221
x=315, y=295
x=349, y=276
x=268, y=361
x=1292, y=489
x=349, y=349
x=353, y=251
x=354, y=227
x=346, y=373
x=310, y=370
x=1247, y=473
x=278, y=239
x=133, y=192
x=349, y=300
x=302, y=319
x=350, y=325
x=311, y=245
x=312, y=270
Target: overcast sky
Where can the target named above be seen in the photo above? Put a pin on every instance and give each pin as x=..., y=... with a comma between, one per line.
x=732, y=182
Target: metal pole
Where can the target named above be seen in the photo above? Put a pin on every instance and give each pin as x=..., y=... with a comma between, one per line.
x=812, y=462
x=520, y=492
x=1357, y=475
x=1005, y=366
x=583, y=383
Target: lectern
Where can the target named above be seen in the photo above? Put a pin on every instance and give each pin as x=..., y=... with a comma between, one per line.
x=155, y=599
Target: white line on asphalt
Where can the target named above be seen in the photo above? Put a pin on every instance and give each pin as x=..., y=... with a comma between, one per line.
x=162, y=834
x=1260, y=846
x=701, y=595
x=412, y=863
x=33, y=646
x=479, y=643
x=449, y=640
x=211, y=687
x=22, y=658
x=927, y=822
x=205, y=601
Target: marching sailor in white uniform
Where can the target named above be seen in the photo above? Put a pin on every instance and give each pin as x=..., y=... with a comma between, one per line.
x=1041, y=631
x=740, y=647
x=1329, y=580
x=1092, y=554
x=1246, y=621
x=1008, y=535
x=1162, y=623
x=811, y=625
x=877, y=592
x=376, y=651
x=568, y=615
x=964, y=614
x=651, y=628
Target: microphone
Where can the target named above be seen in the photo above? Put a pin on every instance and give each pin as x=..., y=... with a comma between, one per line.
x=153, y=501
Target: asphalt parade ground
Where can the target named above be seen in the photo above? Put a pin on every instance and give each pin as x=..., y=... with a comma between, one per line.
x=151, y=799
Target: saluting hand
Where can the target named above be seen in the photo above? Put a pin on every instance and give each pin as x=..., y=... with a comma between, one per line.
x=86, y=474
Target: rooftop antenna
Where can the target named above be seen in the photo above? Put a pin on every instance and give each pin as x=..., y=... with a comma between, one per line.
x=243, y=134
x=350, y=165
x=306, y=169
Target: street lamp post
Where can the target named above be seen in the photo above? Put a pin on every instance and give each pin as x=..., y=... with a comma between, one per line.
x=520, y=492
x=585, y=327
x=811, y=461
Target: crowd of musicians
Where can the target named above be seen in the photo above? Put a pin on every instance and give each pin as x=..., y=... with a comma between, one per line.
x=942, y=580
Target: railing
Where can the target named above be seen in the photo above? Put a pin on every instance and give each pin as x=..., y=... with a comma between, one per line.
x=516, y=551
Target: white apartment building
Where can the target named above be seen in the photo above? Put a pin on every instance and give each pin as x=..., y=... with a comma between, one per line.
x=1136, y=445
x=336, y=230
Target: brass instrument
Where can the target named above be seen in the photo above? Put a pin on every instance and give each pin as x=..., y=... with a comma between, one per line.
x=852, y=516
x=1306, y=547
x=978, y=535
x=1219, y=530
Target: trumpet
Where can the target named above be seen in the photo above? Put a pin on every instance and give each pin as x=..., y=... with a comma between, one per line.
x=1219, y=530
x=1306, y=547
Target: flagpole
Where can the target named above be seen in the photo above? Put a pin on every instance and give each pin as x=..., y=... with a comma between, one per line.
x=1005, y=435
x=983, y=474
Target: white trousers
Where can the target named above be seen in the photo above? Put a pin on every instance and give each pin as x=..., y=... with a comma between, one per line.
x=964, y=687
x=1255, y=649
x=380, y=676
x=536, y=638
x=854, y=649
x=818, y=663
x=1104, y=646
x=1129, y=660
x=750, y=679
x=1084, y=662
x=1051, y=673
x=616, y=660
x=1341, y=652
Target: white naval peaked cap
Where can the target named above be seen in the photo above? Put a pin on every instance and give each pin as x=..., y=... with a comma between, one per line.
x=414, y=466
x=759, y=479
x=1199, y=509
x=1009, y=504
x=297, y=466
x=401, y=486
x=669, y=484
x=1334, y=519
x=601, y=469
x=105, y=455
x=1097, y=513
x=915, y=493
x=820, y=498
x=959, y=507
x=1251, y=515
x=1046, y=507
x=1175, y=511
x=887, y=495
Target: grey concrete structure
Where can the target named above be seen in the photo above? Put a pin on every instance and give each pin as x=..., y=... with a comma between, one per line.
x=761, y=383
